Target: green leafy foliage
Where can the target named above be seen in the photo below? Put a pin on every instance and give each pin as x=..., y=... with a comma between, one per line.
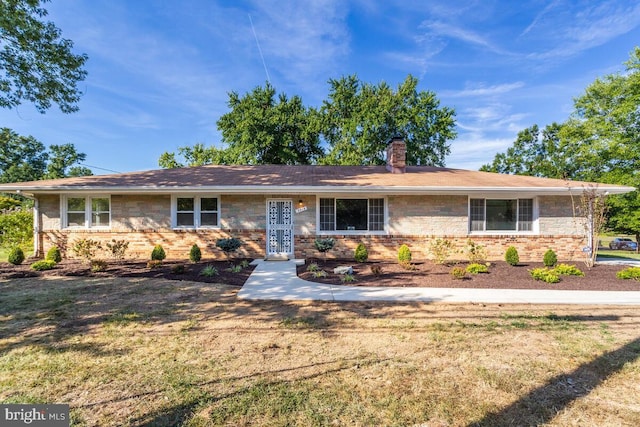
x=229, y=245
x=98, y=265
x=209, y=271
x=545, y=274
x=85, y=249
x=568, y=270
x=347, y=278
x=441, y=249
x=195, y=254
x=16, y=256
x=117, y=249
x=550, y=258
x=476, y=253
x=313, y=267
x=319, y=273
x=511, y=256
x=324, y=245
x=158, y=253
x=235, y=268
x=476, y=268
x=16, y=227
x=42, y=265
x=404, y=254
x=54, y=254
x=629, y=273
x=37, y=64
x=361, y=253
x=458, y=273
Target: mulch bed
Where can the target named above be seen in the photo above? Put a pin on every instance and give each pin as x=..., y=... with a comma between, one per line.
x=138, y=269
x=501, y=276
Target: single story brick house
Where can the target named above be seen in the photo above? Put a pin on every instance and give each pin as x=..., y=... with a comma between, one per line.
x=281, y=210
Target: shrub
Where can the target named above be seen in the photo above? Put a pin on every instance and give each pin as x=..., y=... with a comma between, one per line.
x=568, y=270
x=195, y=254
x=376, y=270
x=475, y=252
x=407, y=265
x=16, y=256
x=629, y=273
x=16, y=227
x=324, y=245
x=98, y=265
x=545, y=274
x=45, y=264
x=550, y=258
x=361, y=254
x=441, y=250
x=404, y=254
x=229, y=245
x=235, y=268
x=85, y=249
x=209, y=271
x=313, y=267
x=154, y=263
x=458, y=273
x=477, y=268
x=54, y=254
x=158, y=253
x=319, y=273
x=117, y=249
x=244, y=263
x=348, y=278
x=511, y=256
x=178, y=269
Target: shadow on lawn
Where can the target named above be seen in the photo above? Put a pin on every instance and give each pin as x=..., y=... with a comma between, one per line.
x=541, y=405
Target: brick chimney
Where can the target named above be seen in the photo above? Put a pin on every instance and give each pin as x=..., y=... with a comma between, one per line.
x=397, y=155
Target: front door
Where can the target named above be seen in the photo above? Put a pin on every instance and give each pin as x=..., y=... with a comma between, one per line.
x=279, y=227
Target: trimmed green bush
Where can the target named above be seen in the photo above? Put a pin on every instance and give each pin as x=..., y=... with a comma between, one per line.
x=45, y=264
x=324, y=245
x=158, y=253
x=16, y=256
x=629, y=273
x=511, y=256
x=404, y=254
x=229, y=245
x=54, y=254
x=550, y=258
x=361, y=254
x=545, y=275
x=476, y=268
x=568, y=270
x=195, y=254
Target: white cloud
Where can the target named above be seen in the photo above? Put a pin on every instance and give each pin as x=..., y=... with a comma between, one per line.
x=480, y=89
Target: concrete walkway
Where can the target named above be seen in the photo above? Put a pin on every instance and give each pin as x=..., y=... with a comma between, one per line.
x=277, y=280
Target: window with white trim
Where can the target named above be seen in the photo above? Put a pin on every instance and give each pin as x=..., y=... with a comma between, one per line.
x=195, y=212
x=343, y=214
x=501, y=215
x=87, y=212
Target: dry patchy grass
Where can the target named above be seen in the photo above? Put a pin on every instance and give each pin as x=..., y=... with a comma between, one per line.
x=144, y=352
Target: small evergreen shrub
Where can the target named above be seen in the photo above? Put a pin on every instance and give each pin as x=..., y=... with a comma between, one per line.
x=195, y=254
x=550, y=258
x=45, y=264
x=545, y=274
x=629, y=273
x=511, y=256
x=441, y=249
x=209, y=271
x=229, y=245
x=324, y=245
x=117, y=249
x=361, y=254
x=154, y=263
x=458, y=273
x=98, y=265
x=16, y=256
x=475, y=252
x=568, y=270
x=54, y=254
x=477, y=268
x=404, y=254
x=158, y=253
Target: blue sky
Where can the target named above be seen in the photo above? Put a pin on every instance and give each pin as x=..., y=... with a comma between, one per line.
x=160, y=71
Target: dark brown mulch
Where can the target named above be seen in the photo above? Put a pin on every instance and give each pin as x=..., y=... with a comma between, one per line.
x=501, y=276
x=136, y=268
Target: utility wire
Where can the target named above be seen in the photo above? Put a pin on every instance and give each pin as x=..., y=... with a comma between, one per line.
x=259, y=49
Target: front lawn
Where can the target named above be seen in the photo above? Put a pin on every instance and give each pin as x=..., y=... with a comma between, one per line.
x=141, y=351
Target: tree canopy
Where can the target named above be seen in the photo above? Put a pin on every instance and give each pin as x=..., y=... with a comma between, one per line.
x=36, y=64
x=24, y=158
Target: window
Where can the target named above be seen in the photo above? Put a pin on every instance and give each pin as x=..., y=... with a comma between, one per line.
x=87, y=212
x=351, y=214
x=195, y=212
x=501, y=215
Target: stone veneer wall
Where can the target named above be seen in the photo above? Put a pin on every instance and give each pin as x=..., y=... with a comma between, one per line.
x=144, y=221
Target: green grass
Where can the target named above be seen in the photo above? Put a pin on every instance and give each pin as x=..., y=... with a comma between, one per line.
x=607, y=253
x=156, y=352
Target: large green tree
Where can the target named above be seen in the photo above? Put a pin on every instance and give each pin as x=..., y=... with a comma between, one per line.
x=37, y=65
x=358, y=120
x=24, y=158
x=196, y=155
